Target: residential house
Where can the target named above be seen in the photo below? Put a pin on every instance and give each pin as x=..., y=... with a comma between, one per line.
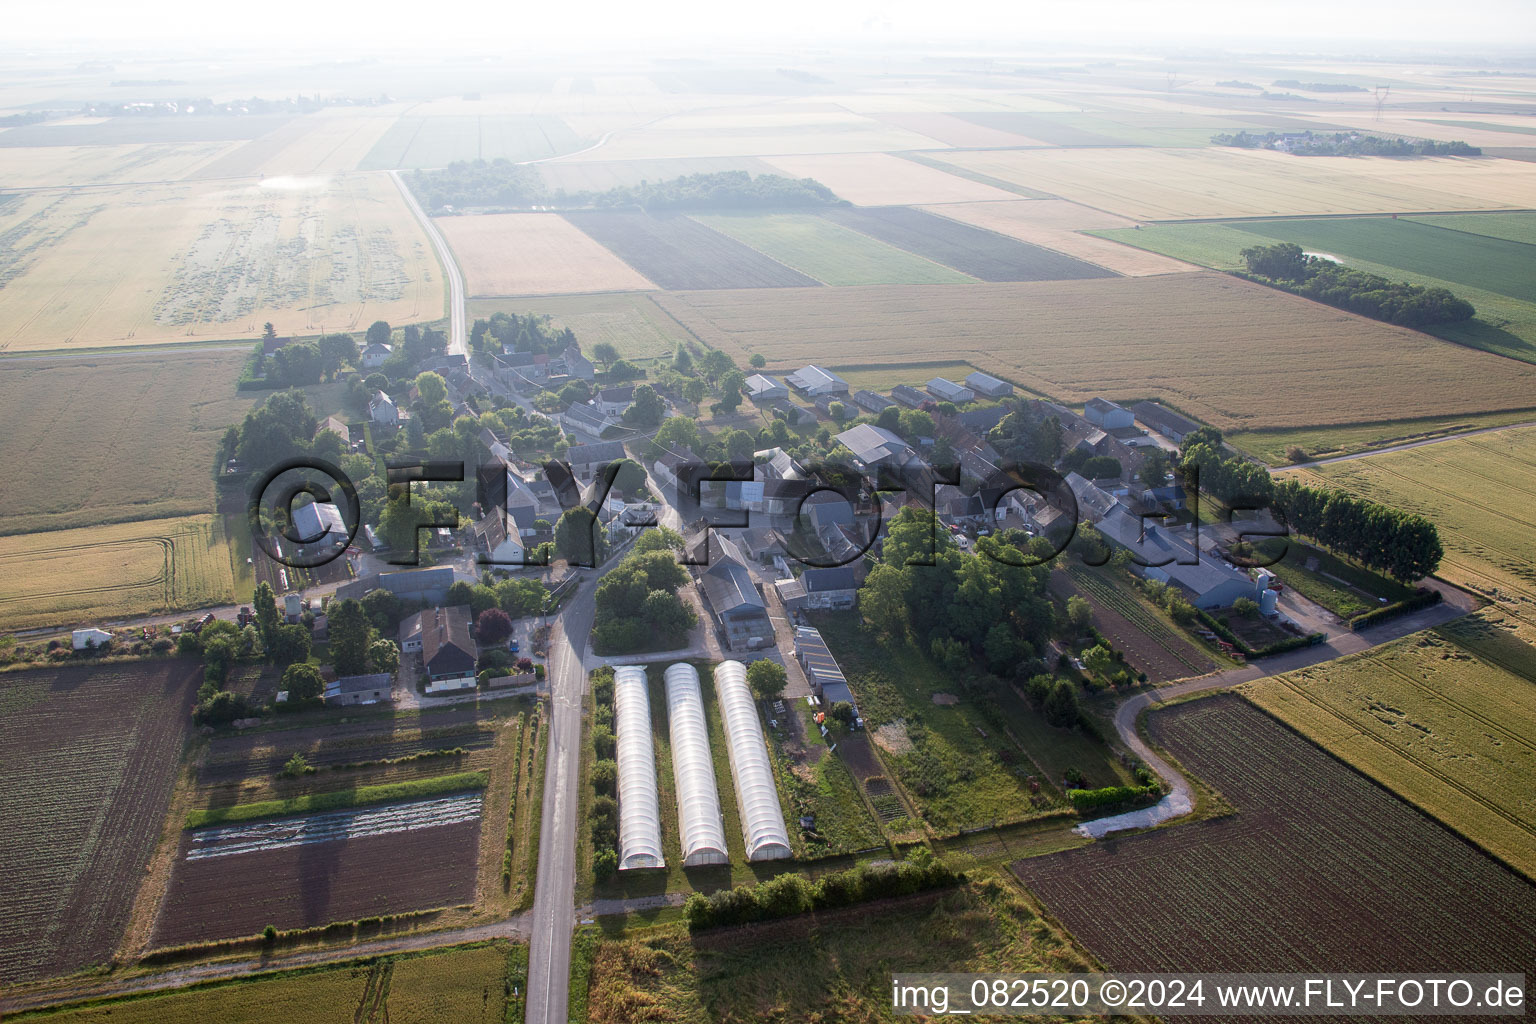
x=500, y=544
x=442, y=637
x=577, y=365
x=813, y=380
x=368, y=689
x=1107, y=415
x=981, y=422
x=669, y=466
x=988, y=385
x=909, y=396
x=336, y=427
x=586, y=421
x=763, y=388
x=373, y=355
x=1162, y=420
x=835, y=588
x=872, y=403
x=1093, y=502
x=1166, y=555
x=1170, y=497
x=777, y=464
x=948, y=391
x=382, y=410
x=613, y=402
x=587, y=460
x=875, y=446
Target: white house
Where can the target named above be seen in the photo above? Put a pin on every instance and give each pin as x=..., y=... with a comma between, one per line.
x=85, y=639
x=502, y=546
x=1107, y=415
x=374, y=355
x=382, y=409
x=615, y=401
x=949, y=391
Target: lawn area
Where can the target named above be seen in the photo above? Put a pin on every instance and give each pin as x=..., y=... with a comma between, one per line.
x=477, y=984
x=1209, y=245
x=829, y=252
x=1441, y=718
x=628, y=321
x=816, y=782
x=965, y=764
x=882, y=378
x=1335, y=583
x=823, y=967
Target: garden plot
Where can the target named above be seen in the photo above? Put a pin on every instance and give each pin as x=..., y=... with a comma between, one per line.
x=332, y=826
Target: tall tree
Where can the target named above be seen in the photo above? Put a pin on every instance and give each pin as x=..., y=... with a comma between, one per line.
x=350, y=636
x=264, y=604
x=379, y=333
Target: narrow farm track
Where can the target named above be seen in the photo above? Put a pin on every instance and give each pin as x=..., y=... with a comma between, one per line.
x=1405, y=446
x=458, y=336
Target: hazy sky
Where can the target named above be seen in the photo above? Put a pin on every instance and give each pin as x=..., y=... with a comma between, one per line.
x=513, y=24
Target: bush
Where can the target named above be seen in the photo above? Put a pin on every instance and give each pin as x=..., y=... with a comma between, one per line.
x=269, y=934
x=789, y=894
x=605, y=778
x=603, y=742
x=1423, y=597
x=1109, y=796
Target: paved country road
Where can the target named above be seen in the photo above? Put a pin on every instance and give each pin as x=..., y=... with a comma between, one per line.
x=458, y=338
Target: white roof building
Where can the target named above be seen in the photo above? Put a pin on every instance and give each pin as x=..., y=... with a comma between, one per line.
x=814, y=380
x=757, y=798
x=986, y=384
x=639, y=807
x=949, y=391
x=872, y=445
x=318, y=521
x=763, y=388
x=693, y=771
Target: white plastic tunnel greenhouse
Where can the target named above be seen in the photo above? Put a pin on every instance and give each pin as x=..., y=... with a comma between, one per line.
x=757, y=798
x=639, y=809
x=693, y=771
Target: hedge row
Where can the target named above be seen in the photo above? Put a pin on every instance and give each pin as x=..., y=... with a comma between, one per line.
x=1110, y=796
x=363, y=927
x=1423, y=597
x=789, y=894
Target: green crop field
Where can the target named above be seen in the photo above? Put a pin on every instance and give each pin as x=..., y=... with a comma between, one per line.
x=68, y=577
x=1479, y=491
x=113, y=436
x=830, y=253
x=1323, y=442
x=1514, y=227
x=1431, y=720
x=468, y=984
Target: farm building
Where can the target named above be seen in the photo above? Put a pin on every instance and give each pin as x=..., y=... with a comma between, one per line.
x=639, y=806
x=757, y=798
x=871, y=402
x=85, y=639
x=366, y=689
x=410, y=585
x=586, y=460
x=693, y=771
x=1107, y=415
x=948, y=391
x=1163, y=555
x=909, y=396
x=791, y=593
x=374, y=355
x=830, y=588
x=1093, y=502
x=733, y=597
x=382, y=409
x=873, y=446
x=1162, y=420
x=614, y=401
x=813, y=380
x=988, y=385
x=318, y=521
x=821, y=669
x=763, y=388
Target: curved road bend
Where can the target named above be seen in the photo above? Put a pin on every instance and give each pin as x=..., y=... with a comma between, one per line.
x=458, y=335
x=1180, y=800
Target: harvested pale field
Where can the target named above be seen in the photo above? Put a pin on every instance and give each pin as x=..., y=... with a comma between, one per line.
x=326, y=142
x=629, y=321
x=437, y=140
x=1481, y=494
x=924, y=98
x=51, y=166
x=1236, y=354
x=1057, y=224
x=725, y=133
x=828, y=252
x=71, y=577
x=534, y=254
x=112, y=437
x=166, y=263
x=955, y=131
x=1174, y=184
x=1447, y=731
x=879, y=179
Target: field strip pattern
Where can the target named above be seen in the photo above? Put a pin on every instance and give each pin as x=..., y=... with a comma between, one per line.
x=330, y=826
